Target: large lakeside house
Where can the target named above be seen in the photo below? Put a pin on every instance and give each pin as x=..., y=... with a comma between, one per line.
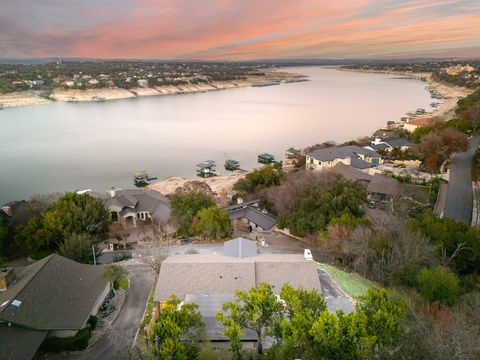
x=210, y=280
x=130, y=206
x=356, y=156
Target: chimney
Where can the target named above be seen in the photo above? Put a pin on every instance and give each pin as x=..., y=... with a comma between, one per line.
x=7, y=276
x=112, y=192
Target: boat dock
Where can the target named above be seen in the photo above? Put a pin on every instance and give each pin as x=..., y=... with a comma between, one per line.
x=206, y=169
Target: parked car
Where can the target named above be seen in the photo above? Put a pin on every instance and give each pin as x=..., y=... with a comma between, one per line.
x=307, y=254
x=186, y=241
x=371, y=204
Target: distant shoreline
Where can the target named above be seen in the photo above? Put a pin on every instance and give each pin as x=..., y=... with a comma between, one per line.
x=449, y=93
x=31, y=98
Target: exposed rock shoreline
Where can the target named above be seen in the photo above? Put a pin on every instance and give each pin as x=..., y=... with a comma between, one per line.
x=29, y=98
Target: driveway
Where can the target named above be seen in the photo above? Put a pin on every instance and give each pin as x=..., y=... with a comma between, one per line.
x=118, y=341
x=459, y=201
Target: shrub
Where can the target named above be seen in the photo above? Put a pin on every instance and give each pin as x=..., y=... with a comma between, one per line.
x=73, y=343
x=439, y=284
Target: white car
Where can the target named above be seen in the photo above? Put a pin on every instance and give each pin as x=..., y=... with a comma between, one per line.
x=307, y=254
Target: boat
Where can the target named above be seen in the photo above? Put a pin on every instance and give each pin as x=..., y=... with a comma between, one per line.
x=267, y=83
x=391, y=122
x=98, y=98
x=232, y=165
x=266, y=159
x=206, y=169
x=72, y=99
x=142, y=179
x=291, y=153
x=420, y=111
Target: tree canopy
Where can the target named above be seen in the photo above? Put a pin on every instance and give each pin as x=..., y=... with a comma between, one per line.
x=212, y=223
x=319, y=205
x=175, y=329
x=71, y=214
x=185, y=207
x=259, y=179
x=439, y=284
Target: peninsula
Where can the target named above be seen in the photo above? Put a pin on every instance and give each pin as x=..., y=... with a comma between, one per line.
x=75, y=81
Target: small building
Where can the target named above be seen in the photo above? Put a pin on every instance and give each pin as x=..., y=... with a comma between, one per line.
x=53, y=297
x=250, y=214
x=355, y=156
x=93, y=82
x=414, y=124
x=383, y=188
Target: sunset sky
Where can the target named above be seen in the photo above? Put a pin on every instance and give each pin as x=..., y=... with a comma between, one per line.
x=239, y=30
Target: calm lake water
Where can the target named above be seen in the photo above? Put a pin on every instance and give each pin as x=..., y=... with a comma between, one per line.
x=64, y=147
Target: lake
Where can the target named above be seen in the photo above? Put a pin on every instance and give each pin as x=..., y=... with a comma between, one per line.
x=65, y=147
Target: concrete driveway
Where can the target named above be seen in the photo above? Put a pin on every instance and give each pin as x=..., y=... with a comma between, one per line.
x=459, y=202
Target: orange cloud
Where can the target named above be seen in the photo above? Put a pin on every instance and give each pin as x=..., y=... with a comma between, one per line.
x=227, y=29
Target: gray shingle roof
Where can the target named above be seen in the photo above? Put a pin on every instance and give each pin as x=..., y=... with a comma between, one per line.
x=351, y=173
x=17, y=343
x=265, y=221
x=219, y=274
x=133, y=201
x=55, y=293
x=341, y=152
x=386, y=185
x=240, y=248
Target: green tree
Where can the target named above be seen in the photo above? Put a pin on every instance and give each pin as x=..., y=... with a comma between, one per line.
x=302, y=307
x=5, y=234
x=258, y=310
x=185, y=207
x=212, y=223
x=319, y=205
x=456, y=243
x=113, y=273
x=71, y=214
x=259, y=179
x=439, y=284
x=176, y=329
x=78, y=247
x=383, y=315
x=76, y=214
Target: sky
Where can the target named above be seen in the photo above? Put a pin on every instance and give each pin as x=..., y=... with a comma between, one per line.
x=239, y=30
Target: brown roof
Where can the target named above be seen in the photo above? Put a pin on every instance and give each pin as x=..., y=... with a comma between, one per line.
x=54, y=293
x=219, y=274
x=421, y=121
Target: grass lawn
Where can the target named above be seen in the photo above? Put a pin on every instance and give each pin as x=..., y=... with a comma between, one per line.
x=122, y=284
x=351, y=283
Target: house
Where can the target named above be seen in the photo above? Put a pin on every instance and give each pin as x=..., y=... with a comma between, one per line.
x=389, y=144
x=129, y=206
x=383, y=188
x=93, y=82
x=142, y=82
x=209, y=280
x=249, y=214
x=355, y=156
x=53, y=297
x=414, y=124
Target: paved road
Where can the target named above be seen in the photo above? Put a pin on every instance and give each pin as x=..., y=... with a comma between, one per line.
x=459, y=202
x=118, y=341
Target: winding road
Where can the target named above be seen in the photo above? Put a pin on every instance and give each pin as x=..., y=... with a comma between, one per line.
x=459, y=203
